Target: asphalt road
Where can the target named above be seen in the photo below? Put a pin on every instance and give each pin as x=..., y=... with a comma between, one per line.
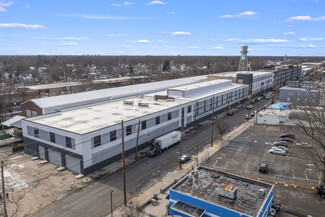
x=94, y=200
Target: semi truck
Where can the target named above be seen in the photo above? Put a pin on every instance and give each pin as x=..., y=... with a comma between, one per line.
x=164, y=142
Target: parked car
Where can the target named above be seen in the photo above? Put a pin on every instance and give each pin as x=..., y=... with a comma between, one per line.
x=276, y=206
x=277, y=151
x=259, y=98
x=267, y=97
x=281, y=147
x=184, y=158
x=281, y=143
x=263, y=168
x=250, y=106
x=286, y=139
x=230, y=113
x=288, y=135
x=247, y=117
x=320, y=189
x=256, y=99
x=304, y=144
x=252, y=114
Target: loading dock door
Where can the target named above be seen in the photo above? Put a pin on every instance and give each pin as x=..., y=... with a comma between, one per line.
x=55, y=157
x=72, y=163
x=41, y=152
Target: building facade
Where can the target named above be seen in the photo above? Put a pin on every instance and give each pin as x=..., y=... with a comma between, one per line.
x=300, y=96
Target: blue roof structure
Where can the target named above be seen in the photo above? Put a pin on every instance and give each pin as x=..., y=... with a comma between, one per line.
x=279, y=106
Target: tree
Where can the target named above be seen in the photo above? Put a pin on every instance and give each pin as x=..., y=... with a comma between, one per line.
x=132, y=210
x=222, y=127
x=166, y=66
x=311, y=120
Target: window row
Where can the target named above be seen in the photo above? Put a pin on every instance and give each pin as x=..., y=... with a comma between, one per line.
x=68, y=140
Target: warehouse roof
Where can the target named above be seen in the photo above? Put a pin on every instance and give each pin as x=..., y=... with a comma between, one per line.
x=51, y=86
x=234, y=73
x=92, y=118
x=204, y=187
x=70, y=100
x=200, y=85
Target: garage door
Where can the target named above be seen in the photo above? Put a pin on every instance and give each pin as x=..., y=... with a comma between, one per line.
x=41, y=151
x=55, y=157
x=72, y=163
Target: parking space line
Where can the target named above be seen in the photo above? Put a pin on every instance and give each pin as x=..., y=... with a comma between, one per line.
x=216, y=162
x=247, y=168
x=293, y=173
x=236, y=166
x=306, y=175
x=318, y=175
x=225, y=164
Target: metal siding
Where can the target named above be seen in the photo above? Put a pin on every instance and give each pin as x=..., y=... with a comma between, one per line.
x=44, y=135
x=55, y=157
x=72, y=163
x=60, y=140
x=41, y=152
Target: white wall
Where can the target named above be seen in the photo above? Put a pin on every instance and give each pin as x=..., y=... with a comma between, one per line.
x=273, y=119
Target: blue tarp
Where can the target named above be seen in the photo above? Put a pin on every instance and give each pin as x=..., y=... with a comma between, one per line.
x=279, y=106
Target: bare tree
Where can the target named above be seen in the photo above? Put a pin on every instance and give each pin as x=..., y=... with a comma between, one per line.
x=311, y=120
x=132, y=210
x=14, y=196
x=222, y=127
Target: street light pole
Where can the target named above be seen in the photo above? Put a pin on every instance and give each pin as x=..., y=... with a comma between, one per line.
x=212, y=119
x=3, y=192
x=112, y=203
x=123, y=163
x=197, y=144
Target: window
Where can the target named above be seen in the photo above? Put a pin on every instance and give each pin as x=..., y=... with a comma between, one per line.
x=112, y=135
x=157, y=120
x=129, y=130
x=36, y=132
x=189, y=109
x=68, y=142
x=169, y=115
x=28, y=113
x=144, y=125
x=97, y=141
x=52, y=137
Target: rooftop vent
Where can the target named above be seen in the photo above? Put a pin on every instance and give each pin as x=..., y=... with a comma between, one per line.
x=142, y=104
x=227, y=191
x=190, y=178
x=261, y=192
x=128, y=102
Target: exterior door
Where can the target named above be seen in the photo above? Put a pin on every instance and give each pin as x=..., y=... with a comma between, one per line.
x=72, y=163
x=41, y=152
x=55, y=157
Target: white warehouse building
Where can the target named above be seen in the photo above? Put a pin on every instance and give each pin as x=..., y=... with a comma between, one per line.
x=84, y=139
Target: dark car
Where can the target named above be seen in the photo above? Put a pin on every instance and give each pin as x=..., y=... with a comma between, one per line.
x=230, y=113
x=288, y=135
x=320, y=189
x=286, y=139
x=263, y=168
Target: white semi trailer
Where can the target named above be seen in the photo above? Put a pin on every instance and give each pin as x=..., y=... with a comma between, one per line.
x=163, y=142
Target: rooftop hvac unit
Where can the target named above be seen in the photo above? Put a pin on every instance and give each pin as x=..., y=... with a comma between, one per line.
x=227, y=191
x=128, y=102
x=143, y=104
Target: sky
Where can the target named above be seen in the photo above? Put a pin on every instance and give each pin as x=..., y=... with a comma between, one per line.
x=162, y=27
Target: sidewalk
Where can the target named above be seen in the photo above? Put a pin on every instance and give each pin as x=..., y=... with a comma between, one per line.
x=160, y=208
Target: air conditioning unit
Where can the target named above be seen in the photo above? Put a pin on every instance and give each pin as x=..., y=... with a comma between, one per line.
x=143, y=104
x=128, y=102
x=227, y=191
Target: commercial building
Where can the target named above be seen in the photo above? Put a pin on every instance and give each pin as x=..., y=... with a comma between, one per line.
x=84, y=139
x=302, y=96
x=258, y=81
x=284, y=74
x=207, y=192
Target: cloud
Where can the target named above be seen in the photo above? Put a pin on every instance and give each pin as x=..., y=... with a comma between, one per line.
x=289, y=33
x=123, y=4
x=194, y=48
x=21, y=25
x=165, y=32
x=162, y=42
x=217, y=48
x=240, y=15
x=2, y=9
x=27, y=6
x=232, y=39
x=142, y=41
x=180, y=33
x=170, y=12
x=64, y=38
x=156, y=2
x=105, y=17
x=6, y=3
x=307, y=46
x=305, y=18
x=115, y=35
x=271, y=40
x=70, y=43
x=311, y=39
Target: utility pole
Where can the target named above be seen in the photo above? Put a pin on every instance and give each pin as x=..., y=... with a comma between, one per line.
x=112, y=203
x=197, y=144
x=212, y=119
x=3, y=192
x=136, y=146
x=123, y=164
x=180, y=141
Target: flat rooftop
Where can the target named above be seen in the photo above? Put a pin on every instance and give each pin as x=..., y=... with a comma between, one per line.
x=298, y=88
x=95, y=117
x=205, y=187
x=234, y=73
x=202, y=84
x=52, y=86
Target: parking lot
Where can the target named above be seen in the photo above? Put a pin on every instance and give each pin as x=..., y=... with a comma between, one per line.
x=293, y=177
x=244, y=154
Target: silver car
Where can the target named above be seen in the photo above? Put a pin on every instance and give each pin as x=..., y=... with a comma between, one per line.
x=277, y=151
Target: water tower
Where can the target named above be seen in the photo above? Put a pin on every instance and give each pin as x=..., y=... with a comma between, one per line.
x=243, y=59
